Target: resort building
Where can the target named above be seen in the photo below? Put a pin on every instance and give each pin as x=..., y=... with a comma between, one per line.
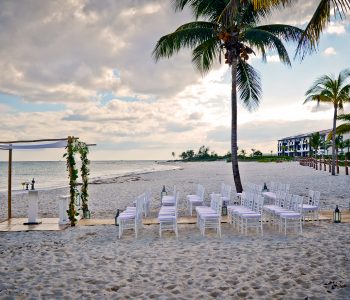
x=299, y=145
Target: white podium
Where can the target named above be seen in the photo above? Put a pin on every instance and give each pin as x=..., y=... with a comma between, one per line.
x=33, y=198
x=63, y=207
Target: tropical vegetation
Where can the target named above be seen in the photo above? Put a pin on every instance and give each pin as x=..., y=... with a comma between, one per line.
x=332, y=90
x=230, y=29
x=315, y=142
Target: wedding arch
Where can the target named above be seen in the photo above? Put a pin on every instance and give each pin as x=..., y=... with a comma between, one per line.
x=73, y=146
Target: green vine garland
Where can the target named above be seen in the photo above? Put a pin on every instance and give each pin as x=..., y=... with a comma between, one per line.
x=85, y=172
x=74, y=146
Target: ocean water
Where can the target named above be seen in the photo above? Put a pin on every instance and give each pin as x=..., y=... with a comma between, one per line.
x=53, y=174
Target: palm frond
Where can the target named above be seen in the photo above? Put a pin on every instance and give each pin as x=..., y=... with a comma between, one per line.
x=344, y=75
x=210, y=9
x=264, y=40
x=321, y=17
x=189, y=35
x=344, y=117
x=205, y=54
x=249, y=85
x=243, y=12
x=270, y=3
x=318, y=85
x=285, y=32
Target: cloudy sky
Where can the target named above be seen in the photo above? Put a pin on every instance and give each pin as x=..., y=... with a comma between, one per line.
x=84, y=68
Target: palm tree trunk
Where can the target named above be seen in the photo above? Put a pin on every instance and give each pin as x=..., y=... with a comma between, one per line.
x=234, y=158
x=333, y=138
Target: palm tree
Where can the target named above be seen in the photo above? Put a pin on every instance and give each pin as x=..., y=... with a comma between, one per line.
x=243, y=152
x=339, y=144
x=236, y=37
x=326, y=145
x=173, y=154
x=320, y=19
x=336, y=91
x=284, y=148
x=315, y=142
x=253, y=151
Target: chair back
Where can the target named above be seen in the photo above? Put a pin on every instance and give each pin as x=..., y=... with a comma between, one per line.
x=288, y=201
x=297, y=203
x=259, y=203
x=226, y=192
x=258, y=188
x=316, y=199
x=250, y=200
x=177, y=196
x=287, y=187
x=273, y=186
x=140, y=200
x=217, y=204
x=200, y=191
x=280, y=198
x=222, y=188
x=311, y=196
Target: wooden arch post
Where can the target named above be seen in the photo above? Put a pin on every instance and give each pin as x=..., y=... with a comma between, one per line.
x=9, y=186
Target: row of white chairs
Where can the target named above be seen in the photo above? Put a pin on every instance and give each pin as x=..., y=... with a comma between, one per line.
x=210, y=216
x=197, y=199
x=278, y=186
x=248, y=214
x=253, y=188
x=286, y=212
x=131, y=217
x=167, y=215
x=312, y=207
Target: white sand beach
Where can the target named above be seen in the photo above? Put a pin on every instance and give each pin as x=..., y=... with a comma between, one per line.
x=91, y=263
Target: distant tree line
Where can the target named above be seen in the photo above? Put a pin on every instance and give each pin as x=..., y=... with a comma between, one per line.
x=204, y=154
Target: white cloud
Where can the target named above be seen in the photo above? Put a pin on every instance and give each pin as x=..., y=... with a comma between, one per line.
x=336, y=28
x=329, y=51
x=69, y=51
x=273, y=58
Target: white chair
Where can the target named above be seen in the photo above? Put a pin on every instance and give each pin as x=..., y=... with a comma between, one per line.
x=147, y=202
x=196, y=199
x=311, y=209
x=247, y=203
x=167, y=217
x=211, y=219
x=207, y=209
x=271, y=210
x=254, y=218
x=169, y=199
x=294, y=217
x=131, y=218
x=273, y=186
x=226, y=193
